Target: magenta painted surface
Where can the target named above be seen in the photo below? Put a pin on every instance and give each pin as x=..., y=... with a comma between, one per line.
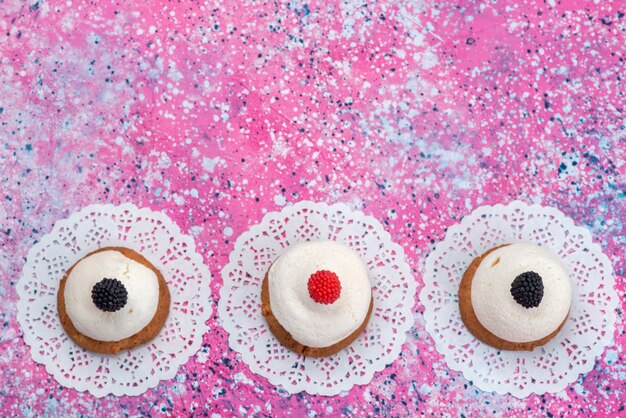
x=415, y=112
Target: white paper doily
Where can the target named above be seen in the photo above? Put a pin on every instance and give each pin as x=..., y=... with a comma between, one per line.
x=392, y=284
x=589, y=327
x=157, y=238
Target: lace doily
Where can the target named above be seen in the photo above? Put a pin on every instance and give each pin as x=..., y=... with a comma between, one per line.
x=392, y=284
x=158, y=239
x=589, y=327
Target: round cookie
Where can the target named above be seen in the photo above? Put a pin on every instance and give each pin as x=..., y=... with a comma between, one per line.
x=110, y=328
x=520, y=309
x=283, y=336
x=316, y=298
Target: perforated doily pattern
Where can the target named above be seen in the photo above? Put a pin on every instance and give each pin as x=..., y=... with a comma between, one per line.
x=588, y=329
x=392, y=284
x=158, y=239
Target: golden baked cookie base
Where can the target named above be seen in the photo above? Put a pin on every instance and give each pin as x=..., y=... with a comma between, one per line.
x=285, y=338
x=146, y=334
x=476, y=328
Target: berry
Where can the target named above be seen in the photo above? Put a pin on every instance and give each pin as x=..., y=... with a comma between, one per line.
x=109, y=295
x=324, y=287
x=527, y=289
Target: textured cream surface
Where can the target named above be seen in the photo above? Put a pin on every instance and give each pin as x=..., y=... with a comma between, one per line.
x=497, y=310
x=141, y=283
x=311, y=323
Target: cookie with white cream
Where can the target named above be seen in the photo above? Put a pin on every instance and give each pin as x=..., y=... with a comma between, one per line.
x=113, y=299
x=515, y=297
x=317, y=297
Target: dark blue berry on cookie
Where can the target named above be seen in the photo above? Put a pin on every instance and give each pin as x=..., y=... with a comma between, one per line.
x=109, y=295
x=527, y=289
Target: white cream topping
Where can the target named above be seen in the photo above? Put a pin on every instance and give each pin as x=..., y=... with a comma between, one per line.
x=141, y=284
x=311, y=323
x=497, y=310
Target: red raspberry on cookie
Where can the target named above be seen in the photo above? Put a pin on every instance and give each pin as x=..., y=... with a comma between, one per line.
x=324, y=287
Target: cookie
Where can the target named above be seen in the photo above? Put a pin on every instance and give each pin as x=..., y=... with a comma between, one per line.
x=145, y=335
x=477, y=329
x=289, y=342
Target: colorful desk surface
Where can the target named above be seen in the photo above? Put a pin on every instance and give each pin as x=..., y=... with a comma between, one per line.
x=415, y=112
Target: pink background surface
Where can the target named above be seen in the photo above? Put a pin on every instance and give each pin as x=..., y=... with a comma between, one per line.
x=415, y=112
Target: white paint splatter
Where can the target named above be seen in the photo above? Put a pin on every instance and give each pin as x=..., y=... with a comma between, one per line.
x=209, y=163
x=429, y=59
x=280, y=200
